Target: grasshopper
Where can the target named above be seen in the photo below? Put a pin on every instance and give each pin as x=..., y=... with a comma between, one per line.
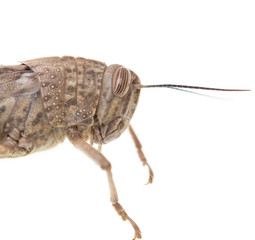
x=45, y=100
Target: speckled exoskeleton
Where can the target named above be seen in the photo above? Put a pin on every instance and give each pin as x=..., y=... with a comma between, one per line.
x=42, y=101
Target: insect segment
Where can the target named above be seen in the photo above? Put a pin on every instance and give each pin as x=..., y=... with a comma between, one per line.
x=42, y=101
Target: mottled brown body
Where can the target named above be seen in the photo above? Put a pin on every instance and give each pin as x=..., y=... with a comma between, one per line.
x=60, y=92
x=40, y=99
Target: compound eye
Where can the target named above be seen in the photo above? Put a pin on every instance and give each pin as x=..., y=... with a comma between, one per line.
x=120, y=82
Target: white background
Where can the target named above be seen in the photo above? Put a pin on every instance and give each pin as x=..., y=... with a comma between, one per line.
x=201, y=149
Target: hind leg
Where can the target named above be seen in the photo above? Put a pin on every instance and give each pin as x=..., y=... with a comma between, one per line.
x=8, y=150
x=16, y=144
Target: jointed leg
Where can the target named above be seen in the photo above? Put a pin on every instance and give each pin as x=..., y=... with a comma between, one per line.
x=77, y=140
x=140, y=153
x=16, y=144
x=8, y=150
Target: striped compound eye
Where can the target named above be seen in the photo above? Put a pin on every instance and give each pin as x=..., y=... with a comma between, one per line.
x=120, y=82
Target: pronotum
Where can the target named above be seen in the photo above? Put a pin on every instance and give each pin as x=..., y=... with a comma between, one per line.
x=42, y=101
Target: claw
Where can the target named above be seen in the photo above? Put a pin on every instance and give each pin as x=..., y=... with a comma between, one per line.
x=144, y=161
x=124, y=216
x=151, y=177
x=137, y=235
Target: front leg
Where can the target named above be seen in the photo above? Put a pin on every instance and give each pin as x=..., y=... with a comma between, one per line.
x=76, y=139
